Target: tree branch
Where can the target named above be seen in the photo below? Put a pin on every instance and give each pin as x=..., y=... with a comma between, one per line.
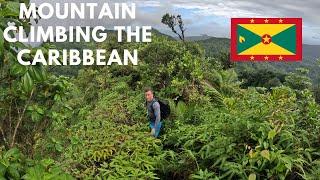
x=4, y=137
x=20, y=119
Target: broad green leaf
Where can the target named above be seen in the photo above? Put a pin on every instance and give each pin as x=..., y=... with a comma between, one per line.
x=36, y=117
x=27, y=82
x=47, y=162
x=265, y=154
x=40, y=110
x=40, y=73
x=13, y=172
x=272, y=134
x=36, y=172
x=12, y=153
x=3, y=169
x=11, y=9
x=59, y=147
x=18, y=69
x=36, y=74
x=252, y=176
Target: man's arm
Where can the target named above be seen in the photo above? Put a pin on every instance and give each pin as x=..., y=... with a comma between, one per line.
x=157, y=113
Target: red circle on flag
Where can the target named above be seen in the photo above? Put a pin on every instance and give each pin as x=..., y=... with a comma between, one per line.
x=266, y=39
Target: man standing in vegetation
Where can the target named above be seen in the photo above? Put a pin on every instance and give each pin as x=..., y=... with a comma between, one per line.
x=154, y=113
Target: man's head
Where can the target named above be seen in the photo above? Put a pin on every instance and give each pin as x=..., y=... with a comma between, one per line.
x=148, y=93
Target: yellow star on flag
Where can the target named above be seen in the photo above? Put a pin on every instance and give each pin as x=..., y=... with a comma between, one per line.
x=266, y=39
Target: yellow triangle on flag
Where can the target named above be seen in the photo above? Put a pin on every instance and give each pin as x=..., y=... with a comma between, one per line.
x=262, y=29
x=269, y=49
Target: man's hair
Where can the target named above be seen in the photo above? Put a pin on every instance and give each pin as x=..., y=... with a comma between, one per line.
x=147, y=89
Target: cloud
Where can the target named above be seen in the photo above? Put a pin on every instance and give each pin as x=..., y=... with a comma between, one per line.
x=308, y=9
x=215, y=9
x=149, y=4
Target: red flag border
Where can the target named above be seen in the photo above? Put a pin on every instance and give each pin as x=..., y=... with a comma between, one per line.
x=246, y=58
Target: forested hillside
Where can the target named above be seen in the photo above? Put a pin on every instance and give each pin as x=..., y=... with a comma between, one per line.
x=93, y=125
x=215, y=46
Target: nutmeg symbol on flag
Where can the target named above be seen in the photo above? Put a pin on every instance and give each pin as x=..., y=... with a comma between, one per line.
x=266, y=39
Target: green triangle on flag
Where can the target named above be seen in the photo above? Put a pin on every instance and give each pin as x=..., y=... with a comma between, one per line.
x=246, y=39
x=286, y=39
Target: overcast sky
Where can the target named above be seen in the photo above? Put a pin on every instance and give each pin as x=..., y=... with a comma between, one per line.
x=211, y=17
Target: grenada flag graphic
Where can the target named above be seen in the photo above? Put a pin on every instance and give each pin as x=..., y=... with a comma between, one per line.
x=266, y=39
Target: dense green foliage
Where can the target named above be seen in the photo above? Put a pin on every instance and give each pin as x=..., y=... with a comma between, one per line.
x=224, y=125
x=215, y=46
x=13, y=165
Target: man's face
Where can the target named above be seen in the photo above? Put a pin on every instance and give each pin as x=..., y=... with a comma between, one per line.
x=149, y=96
